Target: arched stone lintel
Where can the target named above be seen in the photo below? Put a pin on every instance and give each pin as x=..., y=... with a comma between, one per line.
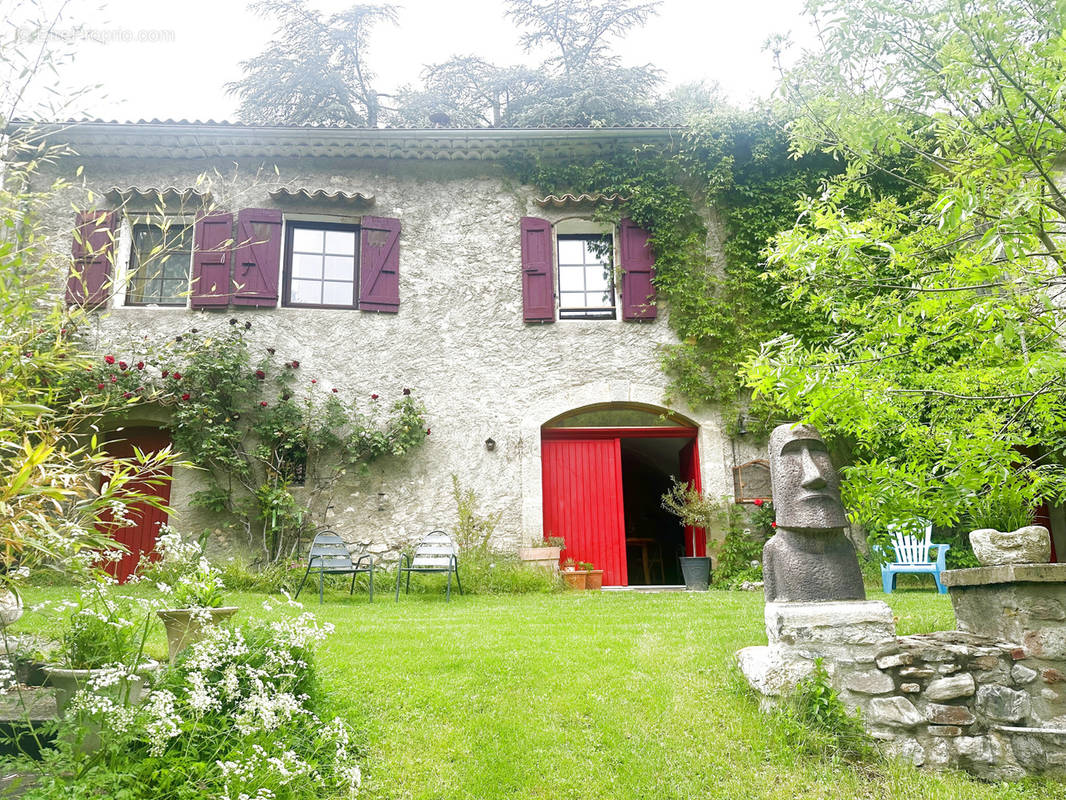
x=715, y=459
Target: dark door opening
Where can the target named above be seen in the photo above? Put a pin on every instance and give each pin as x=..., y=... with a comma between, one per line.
x=654, y=537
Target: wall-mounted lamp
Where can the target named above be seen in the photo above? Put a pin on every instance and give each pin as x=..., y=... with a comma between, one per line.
x=742, y=427
x=490, y=444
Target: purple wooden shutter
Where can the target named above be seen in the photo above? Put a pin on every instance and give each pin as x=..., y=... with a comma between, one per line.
x=638, y=270
x=93, y=255
x=379, y=265
x=538, y=286
x=258, y=258
x=211, y=261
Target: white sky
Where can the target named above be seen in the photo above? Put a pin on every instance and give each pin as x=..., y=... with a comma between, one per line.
x=182, y=76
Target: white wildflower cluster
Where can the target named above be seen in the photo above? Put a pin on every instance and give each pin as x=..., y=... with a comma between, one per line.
x=120, y=514
x=173, y=550
x=7, y=675
x=244, y=684
x=108, y=708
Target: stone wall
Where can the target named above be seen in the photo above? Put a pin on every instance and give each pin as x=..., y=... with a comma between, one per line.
x=458, y=340
x=990, y=700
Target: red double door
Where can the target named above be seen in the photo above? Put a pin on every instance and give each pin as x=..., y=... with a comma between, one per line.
x=139, y=537
x=583, y=493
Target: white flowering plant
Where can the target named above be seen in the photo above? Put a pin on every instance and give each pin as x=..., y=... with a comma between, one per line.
x=182, y=572
x=234, y=719
x=104, y=630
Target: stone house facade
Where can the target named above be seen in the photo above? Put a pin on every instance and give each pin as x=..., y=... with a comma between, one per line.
x=486, y=298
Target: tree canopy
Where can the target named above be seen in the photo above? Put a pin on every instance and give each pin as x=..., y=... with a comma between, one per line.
x=946, y=373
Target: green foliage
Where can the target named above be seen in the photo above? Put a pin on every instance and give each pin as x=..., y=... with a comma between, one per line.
x=472, y=530
x=256, y=427
x=103, y=631
x=823, y=726
x=490, y=573
x=1004, y=508
x=944, y=381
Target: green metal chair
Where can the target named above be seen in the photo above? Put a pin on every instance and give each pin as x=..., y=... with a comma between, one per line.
x=329, y=555
x=435, y=553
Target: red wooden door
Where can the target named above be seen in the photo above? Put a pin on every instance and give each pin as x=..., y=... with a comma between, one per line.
x=695, y=538
x=141, y=536
x=583, y=502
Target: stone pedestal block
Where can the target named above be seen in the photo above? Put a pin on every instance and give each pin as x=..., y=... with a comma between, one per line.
x=848, y=622
x=1024, y=603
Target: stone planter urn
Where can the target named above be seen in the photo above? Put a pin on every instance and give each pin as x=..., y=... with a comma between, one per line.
x=10, y=608
x=1028, y=545
x=541, y=557
x=185, y=625
x=67, y=683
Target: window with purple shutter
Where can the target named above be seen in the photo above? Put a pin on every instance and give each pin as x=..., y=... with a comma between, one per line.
x=258, y=257
x=638, y=272
x=538, y=290
x=379, y=265
x=211, y=258
x=89, y=282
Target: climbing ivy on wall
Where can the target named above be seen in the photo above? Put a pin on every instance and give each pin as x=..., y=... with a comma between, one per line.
x=738, y=164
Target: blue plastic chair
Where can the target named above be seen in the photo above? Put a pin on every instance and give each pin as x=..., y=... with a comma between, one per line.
x=913, y=555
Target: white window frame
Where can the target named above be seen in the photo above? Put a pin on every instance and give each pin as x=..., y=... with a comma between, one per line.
x=124, y=255
x=582, y=226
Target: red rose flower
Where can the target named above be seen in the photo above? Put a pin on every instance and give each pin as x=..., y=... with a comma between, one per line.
x=373, y=397
x=109, y=359
x=127, y=395
x=758, y=501
x=773, y=524
x=334, y=390
x=99, y=386
x=166, y=372
x=140, y=365
x=406, y=392
x=428, y=431
x=122, y=365
x=114, y=379
x=295, y=364
x=177, y=376
x=260, y=374
x=314, y=381
x=262, y=403
x=185, y=396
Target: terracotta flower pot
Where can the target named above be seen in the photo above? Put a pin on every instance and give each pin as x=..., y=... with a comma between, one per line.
x=575, y=579
x=594, y=580
x=185, y=626
x=541, y=557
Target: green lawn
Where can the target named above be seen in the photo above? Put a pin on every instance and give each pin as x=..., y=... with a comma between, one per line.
x=582, y=695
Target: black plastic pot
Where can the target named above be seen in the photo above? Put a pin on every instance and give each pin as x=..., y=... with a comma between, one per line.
x=697, y=573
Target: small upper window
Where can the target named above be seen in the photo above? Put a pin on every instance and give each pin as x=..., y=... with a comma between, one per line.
x=159, y=265
x=586, y=270
x=322, y=265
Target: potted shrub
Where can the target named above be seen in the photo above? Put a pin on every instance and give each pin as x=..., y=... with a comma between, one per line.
x=694, y=511
x=1003, y=531
x=102, y=651
x=593, y=576
x=574, y=578
x=544, y=553
x=193, y=585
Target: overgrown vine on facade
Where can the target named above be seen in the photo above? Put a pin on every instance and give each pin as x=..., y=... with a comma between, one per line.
x=738, y=164
x=271, y=441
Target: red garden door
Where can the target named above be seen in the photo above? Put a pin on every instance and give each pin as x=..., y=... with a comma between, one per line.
x=585, y=496
x=583, y=502
x=141, y=536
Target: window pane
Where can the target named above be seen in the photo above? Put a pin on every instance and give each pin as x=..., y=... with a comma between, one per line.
x=159, y=264
x=571, y=251
x=595, y=278
x=306, y=266
x=340, y=268
x=597, y=251
x=336, y=293
x=596, y=300
x=571, y=279
x=340, y=242
x=306, y=292
x=305, y=240
x=571, y=299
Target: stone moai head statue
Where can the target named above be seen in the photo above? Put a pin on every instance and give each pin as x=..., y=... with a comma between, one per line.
x=806, y=488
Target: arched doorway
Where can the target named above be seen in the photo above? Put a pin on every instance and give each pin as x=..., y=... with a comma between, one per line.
x=604, y=470
x=141, y=535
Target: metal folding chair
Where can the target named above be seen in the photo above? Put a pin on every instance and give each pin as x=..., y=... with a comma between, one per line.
x=435, y=553
x=329, y=555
